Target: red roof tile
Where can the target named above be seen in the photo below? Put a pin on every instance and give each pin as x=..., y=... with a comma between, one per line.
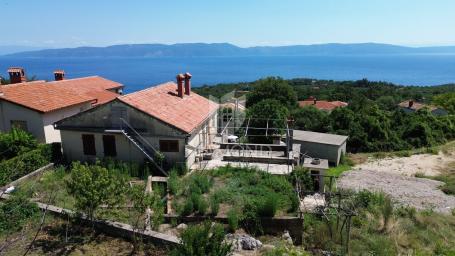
x=162, y=103
x=322, y=104
x=48, y=96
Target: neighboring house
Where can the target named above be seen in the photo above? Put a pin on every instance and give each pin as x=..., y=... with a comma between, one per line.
x=323, y=105
x=36, y=106
x=165, y=118
x=321, y=145
x=410, y=106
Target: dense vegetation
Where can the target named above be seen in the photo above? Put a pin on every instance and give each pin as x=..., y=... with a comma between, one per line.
x=372, y=120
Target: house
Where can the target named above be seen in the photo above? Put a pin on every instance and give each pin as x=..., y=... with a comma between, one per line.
x=323, y=105
x=410, y=106
x=165, y=120
x=321, y=145
x=35, y=106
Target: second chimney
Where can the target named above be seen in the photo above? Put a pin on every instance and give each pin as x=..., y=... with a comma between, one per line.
x=187, y=83
x=59, y=75
x=16, y=75
x=180, y=78
x=411, y=103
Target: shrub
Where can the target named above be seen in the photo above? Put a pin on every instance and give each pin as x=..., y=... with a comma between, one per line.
x=202, y=206
x=250, y=220
x=24, y=164
x=16, y=142
x=174, y=182
x=203, y=239
x=268, y=206
x=15, y=212
x=188, y=208
x=233, y=220
x=214, y=205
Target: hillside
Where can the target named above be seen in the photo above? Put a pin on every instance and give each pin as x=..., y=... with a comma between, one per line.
x=226, y=49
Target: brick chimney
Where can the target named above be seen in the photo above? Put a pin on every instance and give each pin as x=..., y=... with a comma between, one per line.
x=59, y=75
x=314, y=101
x=411, y=103
x=180, y=78
x=16, y=75
x=187, y=83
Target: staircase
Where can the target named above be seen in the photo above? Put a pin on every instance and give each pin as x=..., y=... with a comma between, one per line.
x=142, y=144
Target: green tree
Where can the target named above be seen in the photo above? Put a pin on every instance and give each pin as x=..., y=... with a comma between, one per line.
x=93, y=185
x=266, y=111
x=203, y=240
x=16, y=142
x=446, y=101
x=311, y=119
x=274, y=88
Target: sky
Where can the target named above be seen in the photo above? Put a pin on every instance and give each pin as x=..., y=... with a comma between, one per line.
x=65, y=23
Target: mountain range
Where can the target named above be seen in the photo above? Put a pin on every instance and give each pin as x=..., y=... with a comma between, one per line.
x=226, y=49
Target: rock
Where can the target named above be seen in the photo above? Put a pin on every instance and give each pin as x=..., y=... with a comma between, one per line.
x=243, y=242
x=182, y=227
x=287, y=237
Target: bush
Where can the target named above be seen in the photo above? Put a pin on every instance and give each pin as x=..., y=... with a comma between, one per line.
x=16, y=142
x=15, y=212
x=250, y=219
x=233, y=220
x=23, y=164
x=188, y=208
x=203, y=239
x=214, y=205
x=268, y=207
x=174, y=182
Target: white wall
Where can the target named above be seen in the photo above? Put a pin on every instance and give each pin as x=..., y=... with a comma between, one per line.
x=34, y=119
x=49, y=118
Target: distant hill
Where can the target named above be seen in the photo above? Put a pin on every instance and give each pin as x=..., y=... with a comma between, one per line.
x=225, y=49
x=9, y=49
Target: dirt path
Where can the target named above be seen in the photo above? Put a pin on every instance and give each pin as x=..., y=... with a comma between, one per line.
x=427, y=164
x=415, y=192
x=395, y=176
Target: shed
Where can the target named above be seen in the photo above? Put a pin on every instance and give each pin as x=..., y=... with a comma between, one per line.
x=321, y=145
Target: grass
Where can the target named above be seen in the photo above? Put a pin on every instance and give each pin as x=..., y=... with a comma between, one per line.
x=447, y=176
x=379, y=229
x=63, y=237
x=230, y=187
x=50, y=188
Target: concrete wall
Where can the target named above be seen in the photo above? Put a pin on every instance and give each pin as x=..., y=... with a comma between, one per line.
x=324, y=151
x=34, y=119
x=106, y=117
x=49, y=118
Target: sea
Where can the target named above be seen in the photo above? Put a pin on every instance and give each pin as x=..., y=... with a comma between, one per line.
x=139, y=73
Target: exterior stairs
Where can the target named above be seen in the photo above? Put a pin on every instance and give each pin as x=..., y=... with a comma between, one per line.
x=141, y=144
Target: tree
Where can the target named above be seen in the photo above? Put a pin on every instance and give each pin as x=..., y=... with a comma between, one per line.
x=93, y=185
x=203, y=240
x=274, y=88
x=446, y=101
x=266, y=111
x=311, y=119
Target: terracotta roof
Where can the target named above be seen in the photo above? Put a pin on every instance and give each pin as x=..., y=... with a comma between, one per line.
x=15, y=69
x=93, y=86
x=48, y=96
x=415, y=105
x=323, y=105
x=162, y=102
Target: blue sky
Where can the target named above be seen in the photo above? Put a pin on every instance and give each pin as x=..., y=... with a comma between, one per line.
x=61, y=23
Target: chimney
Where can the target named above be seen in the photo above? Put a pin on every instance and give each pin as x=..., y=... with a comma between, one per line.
x=314, y=101
x=187, y=83
x=180, y=78
x=411, y=103
x=16, y=75
x=59, y=75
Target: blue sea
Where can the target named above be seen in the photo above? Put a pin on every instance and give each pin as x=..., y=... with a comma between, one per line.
x=138, y=73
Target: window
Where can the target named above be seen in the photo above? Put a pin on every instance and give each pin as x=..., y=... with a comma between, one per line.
x=88, y=143
x=19, y=124
x=109, y=145
x=169, y=145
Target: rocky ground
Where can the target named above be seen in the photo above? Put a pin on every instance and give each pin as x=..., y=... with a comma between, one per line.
x=395, y=176
x=419, y=193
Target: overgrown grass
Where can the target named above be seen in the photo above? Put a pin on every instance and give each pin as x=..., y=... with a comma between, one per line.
x=380, y=229
x=447, y=176
x=232, y=187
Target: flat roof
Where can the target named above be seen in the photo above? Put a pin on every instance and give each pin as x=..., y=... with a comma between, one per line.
x=317, y=137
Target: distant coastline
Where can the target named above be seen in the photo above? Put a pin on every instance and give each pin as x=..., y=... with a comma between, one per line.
x=226, y=49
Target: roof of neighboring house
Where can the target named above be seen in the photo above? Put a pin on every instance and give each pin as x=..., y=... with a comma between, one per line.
x=45, y=96
x=163, y=103
x=415, y=105
x=322, y=104
x=317, y=137
x=231, y=105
